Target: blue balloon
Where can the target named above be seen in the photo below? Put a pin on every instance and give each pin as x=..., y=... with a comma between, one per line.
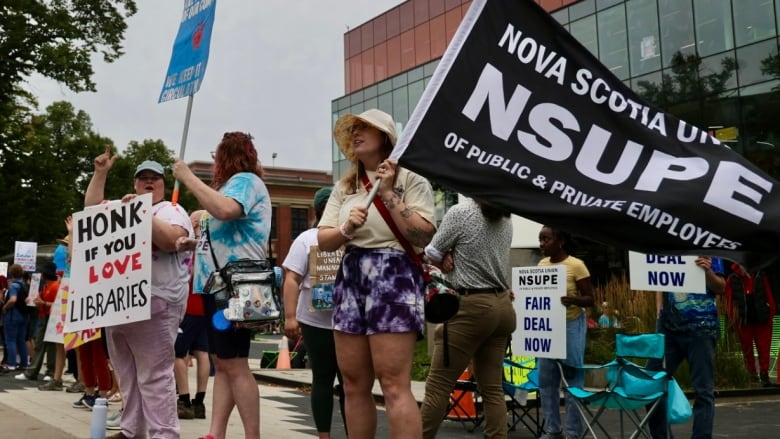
x=220, y=322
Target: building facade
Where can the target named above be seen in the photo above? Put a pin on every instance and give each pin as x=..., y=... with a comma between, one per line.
x=712, y=63
x=292, y=192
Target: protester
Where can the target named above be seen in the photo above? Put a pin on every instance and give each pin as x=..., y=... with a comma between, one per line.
x=236, y=225
x=472, y=247
x=142, y=352
x=557, y=245
x=15, y=320
x=43, y=302
x=3, y=298
x=63, y=271
x=192, y=341
x=689, y=322
x=311, y=315
x=608, y=318
x=378, y=301
x=750, y=304
x=93, y=365
x=31, y=312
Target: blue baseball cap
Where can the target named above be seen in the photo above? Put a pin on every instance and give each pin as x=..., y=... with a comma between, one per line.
x=149, y=165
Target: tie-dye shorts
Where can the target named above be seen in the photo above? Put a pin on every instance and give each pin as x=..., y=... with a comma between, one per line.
x=378, y=290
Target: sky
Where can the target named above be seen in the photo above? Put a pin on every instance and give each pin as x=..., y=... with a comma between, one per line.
x=274, y=67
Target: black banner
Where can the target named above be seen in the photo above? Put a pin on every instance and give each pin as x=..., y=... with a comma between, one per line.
x=520, y=114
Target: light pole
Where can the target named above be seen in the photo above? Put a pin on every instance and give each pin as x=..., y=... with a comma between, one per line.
x=273, y=159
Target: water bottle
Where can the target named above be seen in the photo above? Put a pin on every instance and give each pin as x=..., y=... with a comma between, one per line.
x=99, y=412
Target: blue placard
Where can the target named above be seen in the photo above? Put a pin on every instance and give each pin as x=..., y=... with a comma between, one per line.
x=190, y=50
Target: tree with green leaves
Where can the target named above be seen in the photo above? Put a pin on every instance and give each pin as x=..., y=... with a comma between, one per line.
x=46, y=171
x=55, y=39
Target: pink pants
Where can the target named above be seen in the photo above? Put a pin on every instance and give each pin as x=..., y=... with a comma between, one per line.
x=142, y=355
x=761, y=334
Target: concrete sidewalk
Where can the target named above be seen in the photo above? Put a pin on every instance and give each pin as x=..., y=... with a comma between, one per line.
x=26, y=412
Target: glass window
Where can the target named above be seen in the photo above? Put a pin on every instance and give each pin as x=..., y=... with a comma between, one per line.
x=561, y=15
x=429, y=68
x=399, y=81
x=370, y=103
x=751, y=60
x=643, y=37
x=356, y=97
x=400, y=105
x=369, y=92
x=415, y=74
x=676, y=19
x=717, y=73
x=613, y=52
x=604, y=4
x=754, y=20
x=759, y=134
x=385, y=103
x=713, y=26
x=384, y=86
x=584, y=31
x=582, y=9
x=415, y=92
x=343, y=102
x=300, y=221
x=647, y=84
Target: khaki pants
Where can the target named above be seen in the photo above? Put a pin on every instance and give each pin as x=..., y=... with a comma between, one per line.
x=479, y=333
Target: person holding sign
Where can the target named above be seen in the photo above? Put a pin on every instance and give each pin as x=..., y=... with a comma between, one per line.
x=472, y=247
x=378, y=292
x=236, y=225
x=557, y=245
x=690, y=324
x=142, y=352
x=309, y=312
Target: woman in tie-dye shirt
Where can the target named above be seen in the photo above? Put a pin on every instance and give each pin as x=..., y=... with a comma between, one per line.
x=237, y=225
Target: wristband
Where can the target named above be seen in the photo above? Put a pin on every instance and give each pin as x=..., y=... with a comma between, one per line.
x=344, y=233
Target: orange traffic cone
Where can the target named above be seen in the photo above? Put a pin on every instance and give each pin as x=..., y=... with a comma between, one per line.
x=462, y=401
x=283, y=360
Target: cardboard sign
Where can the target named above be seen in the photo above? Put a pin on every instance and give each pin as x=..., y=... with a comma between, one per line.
x=322, y=274
x=677, y=274
x=541, y=317
x=111, y=265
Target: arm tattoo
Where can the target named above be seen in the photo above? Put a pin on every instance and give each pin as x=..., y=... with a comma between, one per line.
x=390, y=201
x=406, y=213
x=417, y=237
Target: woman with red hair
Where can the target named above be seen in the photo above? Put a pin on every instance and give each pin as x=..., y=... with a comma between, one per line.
x=236, y=225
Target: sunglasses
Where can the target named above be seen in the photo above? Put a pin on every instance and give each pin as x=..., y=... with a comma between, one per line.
x=149, y=177
x=359, y=126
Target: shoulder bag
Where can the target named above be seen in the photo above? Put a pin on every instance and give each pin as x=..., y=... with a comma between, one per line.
x=249, y=293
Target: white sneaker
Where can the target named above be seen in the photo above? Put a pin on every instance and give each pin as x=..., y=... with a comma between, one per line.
x=113, y=420
x=46, y=378
x=20, y=376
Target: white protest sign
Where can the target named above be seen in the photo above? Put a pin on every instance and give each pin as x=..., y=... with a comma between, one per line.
x=35, y=285
x=4, y=268
x=25, y=254
x=541, y=317
x=111, y=265
x=55, y=329
x=677, y=274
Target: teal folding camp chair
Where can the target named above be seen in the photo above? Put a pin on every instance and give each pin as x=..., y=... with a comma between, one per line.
x=630, y=387
x=521, y=378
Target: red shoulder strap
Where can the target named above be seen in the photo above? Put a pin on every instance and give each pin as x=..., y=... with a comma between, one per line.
x=380, y=206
